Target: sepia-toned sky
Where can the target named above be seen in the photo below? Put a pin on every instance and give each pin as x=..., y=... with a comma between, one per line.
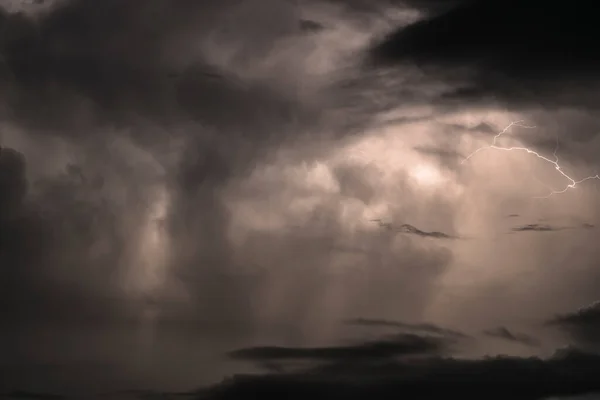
x=182, y=181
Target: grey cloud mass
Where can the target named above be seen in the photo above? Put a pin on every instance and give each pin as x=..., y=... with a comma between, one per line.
x=195, y=190
x=583, y=324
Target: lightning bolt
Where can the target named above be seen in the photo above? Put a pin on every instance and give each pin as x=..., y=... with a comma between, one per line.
x=556, y=162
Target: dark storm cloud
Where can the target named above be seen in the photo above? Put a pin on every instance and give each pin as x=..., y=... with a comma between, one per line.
x=87, y=63
x=394, y=346
x=97, y=74
x=568, y=372
x=47, y=233
x=509, y=50
x=505, y=334
x=583, y=324
x=90, y=72
x=85, y=69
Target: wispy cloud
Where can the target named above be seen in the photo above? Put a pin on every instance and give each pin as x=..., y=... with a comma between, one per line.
x=419, y=327
x=393, y=346
x=536, y=228
x=412, y=230
x=504, y=333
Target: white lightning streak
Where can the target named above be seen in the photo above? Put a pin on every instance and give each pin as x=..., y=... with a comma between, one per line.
x=573, y=183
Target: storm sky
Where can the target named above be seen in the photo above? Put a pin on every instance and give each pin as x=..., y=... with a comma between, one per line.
x=185, y=185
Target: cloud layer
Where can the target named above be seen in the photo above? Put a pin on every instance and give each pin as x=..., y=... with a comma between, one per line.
x=245, y=174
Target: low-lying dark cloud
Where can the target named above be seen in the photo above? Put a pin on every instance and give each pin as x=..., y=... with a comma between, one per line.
x=358, y=372
x=394, y=346
x=569, y=372
x=583, y=325
x=504, y=333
